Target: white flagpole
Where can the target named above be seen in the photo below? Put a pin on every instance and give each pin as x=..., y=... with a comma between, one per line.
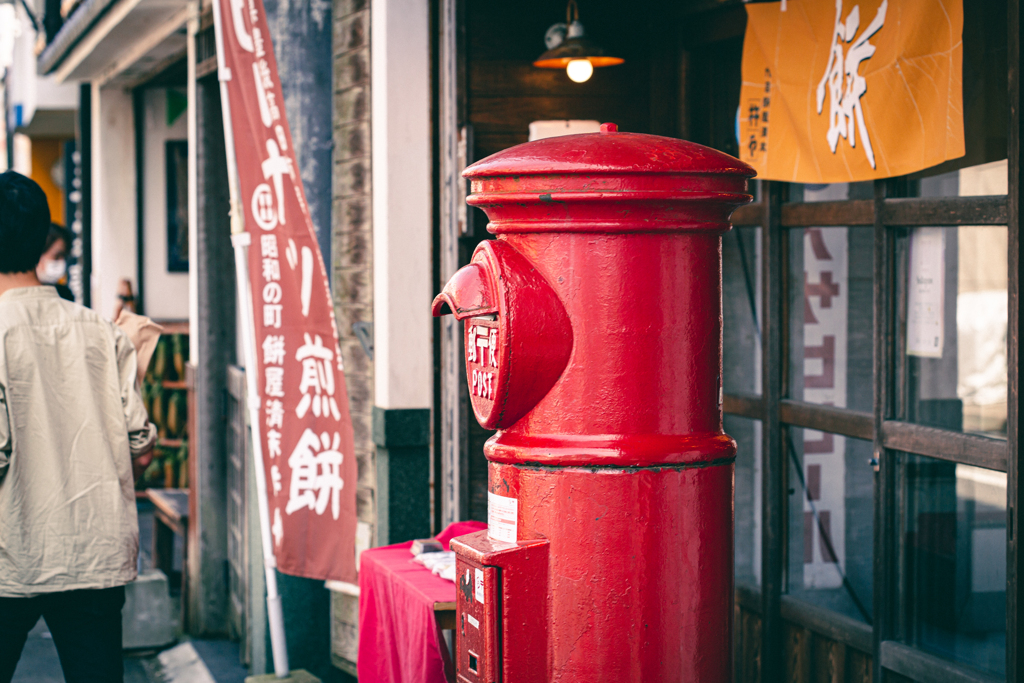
x=240, y=240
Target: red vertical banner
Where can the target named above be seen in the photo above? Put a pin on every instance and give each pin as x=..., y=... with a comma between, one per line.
x=305, y=428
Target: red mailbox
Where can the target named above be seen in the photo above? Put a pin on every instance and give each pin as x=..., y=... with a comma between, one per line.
x=594, y=347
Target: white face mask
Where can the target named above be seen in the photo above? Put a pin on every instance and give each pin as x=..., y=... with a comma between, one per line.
x=52, y=271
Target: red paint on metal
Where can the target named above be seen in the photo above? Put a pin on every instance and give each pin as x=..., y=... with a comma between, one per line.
x=478, y=600
x=606, y=276
x=471, y=288
x=528, y=345
x=516, y=573
x=640, y=583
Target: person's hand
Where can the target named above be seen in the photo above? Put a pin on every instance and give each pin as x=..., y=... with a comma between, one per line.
x=140, y=463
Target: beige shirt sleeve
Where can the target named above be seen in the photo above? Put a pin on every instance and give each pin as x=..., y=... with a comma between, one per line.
x=141, y=432
x=144, y=335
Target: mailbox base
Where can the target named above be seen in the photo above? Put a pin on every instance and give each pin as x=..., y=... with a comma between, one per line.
x=640, y=572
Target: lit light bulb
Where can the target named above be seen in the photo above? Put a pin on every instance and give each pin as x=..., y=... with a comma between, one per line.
x=580, y=70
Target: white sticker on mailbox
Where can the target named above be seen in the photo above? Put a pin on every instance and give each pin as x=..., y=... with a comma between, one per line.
x=502, y=518
x=478, y=585
x=473, y=621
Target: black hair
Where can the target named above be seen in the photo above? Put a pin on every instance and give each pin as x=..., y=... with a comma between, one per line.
x=24, y=223
x=58, y=232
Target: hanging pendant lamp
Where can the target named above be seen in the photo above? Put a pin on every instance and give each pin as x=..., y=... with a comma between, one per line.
x=570, y=49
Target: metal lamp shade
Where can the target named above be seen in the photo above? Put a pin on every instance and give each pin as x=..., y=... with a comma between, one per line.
x=575, y=48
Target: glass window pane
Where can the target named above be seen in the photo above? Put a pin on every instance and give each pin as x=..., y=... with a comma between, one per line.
x=747, y=496
x=954, y=541
x=954, y=337
x=831, y=503
x=831, y=313
x=831, y=192
x=741, y=311
x=972, y=181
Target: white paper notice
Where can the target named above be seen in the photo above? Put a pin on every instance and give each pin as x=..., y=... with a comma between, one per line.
x=478, y=585
x=502, y=518
x=926, y=288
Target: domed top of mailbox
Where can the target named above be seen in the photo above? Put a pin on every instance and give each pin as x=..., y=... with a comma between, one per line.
x=609, y=182
x=609, y=151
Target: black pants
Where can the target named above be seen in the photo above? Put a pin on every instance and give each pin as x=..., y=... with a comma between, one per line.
x=85, y=625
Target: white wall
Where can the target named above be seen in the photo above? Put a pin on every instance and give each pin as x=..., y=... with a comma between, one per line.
x=402, y=291
x=113, y=210
x=165, y=293
x=22, y=75
x=29, y=90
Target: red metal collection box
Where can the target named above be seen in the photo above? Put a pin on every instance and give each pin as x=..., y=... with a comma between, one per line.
x=594, y=347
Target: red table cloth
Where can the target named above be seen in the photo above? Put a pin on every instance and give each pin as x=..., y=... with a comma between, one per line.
x=399, y=641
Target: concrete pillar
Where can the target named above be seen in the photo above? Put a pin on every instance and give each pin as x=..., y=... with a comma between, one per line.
x=114, y=220
x=402, y=220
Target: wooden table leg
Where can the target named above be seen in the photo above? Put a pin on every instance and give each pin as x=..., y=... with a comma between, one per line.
x=163, y=546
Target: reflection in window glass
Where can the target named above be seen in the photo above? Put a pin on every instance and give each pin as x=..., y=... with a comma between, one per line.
x=741, y=311
x=831, y=192
x=741, y=360
x=831, y=542
x=973, y=181
x=956, y=303
x=955, y=293
x=831, y=317
x=956, y=321
x=747, y=434
x=955, y=568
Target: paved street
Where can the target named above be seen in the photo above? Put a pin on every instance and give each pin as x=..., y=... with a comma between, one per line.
x=199, y=661
x=188, y=662
x=40, y=664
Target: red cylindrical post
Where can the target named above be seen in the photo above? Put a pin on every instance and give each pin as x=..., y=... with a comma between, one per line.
x=594, y=344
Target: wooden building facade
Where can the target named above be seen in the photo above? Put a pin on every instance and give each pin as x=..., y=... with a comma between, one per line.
x=875, y=524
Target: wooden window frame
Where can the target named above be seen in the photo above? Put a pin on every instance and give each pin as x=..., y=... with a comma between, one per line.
x=887, y=214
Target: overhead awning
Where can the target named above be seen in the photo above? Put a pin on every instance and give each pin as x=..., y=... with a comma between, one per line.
x=50, y=123
x=117, y=41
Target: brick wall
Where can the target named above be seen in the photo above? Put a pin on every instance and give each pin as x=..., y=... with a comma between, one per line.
x=352, y=247
x=352, y=263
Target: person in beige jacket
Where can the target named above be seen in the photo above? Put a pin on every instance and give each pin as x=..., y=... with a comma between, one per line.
x=71, y=423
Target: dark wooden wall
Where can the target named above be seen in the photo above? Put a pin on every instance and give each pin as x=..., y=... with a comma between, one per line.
x=505, y=93
x=711, y=50
x=810, y=655
x=681, y=79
